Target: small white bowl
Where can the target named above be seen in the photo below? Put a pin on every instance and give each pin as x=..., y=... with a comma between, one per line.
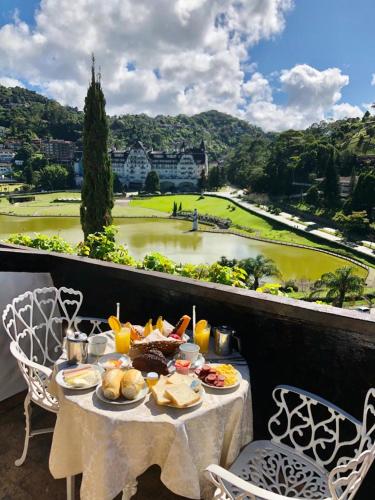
x=97, y=345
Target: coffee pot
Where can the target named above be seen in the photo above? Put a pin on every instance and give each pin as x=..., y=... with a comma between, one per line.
x=76, y=347
x=224, y=338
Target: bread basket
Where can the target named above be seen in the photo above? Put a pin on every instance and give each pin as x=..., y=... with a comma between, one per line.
x=167, y=347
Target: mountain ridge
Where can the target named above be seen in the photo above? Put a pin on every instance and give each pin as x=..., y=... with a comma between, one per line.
x=30, y=115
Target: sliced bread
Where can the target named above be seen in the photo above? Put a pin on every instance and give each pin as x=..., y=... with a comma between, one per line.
x=181, y=395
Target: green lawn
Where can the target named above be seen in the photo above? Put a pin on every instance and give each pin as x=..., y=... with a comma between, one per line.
x=350, y=303
x=222, y=208
x=44, y=206
x=262, y=228
x=6, y=188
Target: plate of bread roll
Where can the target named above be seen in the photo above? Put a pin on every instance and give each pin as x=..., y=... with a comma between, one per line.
x=122, y=387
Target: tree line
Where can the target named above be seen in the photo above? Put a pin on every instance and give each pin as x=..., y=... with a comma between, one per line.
x=306, y=166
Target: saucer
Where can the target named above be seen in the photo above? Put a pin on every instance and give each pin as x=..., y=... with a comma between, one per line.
x=198, y=363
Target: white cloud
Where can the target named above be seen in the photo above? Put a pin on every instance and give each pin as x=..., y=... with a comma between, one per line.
x=168, y=56
x=258, y=88
x=373, y=79
x=10, y=82
x=164, y=56
x=309, y=88
x=312, y=96
x=346, y=110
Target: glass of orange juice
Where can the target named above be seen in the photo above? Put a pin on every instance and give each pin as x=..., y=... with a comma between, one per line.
x=202, y=338
x=122, y=340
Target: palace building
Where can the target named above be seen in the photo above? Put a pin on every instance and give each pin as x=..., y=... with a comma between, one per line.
x=177, y=169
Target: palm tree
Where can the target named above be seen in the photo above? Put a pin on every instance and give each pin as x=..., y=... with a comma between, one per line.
x=340, y=283
x=259, y=268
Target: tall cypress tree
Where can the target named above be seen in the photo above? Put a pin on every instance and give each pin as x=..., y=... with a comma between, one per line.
x=97, y=187
x=331, y=185
x=353, y=181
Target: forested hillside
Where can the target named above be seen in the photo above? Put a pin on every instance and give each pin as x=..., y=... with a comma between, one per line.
x=220, y=131
x=29, y=115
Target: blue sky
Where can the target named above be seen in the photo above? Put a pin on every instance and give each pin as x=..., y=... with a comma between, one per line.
x=312, y=59
x=323, y=34
x=25, y=7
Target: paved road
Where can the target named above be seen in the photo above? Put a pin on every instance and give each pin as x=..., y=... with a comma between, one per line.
x=288, y=220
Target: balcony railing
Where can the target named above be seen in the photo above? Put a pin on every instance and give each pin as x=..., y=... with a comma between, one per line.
x=318, y=348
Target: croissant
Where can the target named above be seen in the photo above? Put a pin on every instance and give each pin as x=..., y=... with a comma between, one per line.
x=111, y=383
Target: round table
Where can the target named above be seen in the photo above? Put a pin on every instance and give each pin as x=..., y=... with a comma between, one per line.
x=112, y=445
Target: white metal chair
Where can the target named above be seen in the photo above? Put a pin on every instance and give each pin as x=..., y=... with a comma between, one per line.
x=90, y=325
x=317, y=451
x=36, y=323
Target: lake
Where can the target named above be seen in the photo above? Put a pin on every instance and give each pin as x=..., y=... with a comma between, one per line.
x=174, y=239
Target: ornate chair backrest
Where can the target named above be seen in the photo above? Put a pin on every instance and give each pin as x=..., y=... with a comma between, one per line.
x=90, y=326
x=314, y=427
x=36, y=321
x=345, y=479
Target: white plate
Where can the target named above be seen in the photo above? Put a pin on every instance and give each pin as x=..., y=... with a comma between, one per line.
x=239, y=378
x=114, y=355
x=121, y=400
x=60, y=379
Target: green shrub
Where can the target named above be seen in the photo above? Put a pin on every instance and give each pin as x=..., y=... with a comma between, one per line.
x=225, y=275
x=157, y=262
x=103, y=246
x=42, y=242
x=194, y=271
x=272, y=289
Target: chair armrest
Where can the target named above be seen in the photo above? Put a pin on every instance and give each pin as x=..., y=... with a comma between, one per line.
x=218, y=474
x=21, y=358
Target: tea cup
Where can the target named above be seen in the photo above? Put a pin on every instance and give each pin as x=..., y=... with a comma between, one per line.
x=97, y=345
x=189, y=351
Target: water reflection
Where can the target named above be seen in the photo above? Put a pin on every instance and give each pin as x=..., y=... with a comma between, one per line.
x=174, y=239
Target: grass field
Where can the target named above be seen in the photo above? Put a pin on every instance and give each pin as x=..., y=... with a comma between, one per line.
x=262, y=228
x=44, y=206
x=223, y=208
x=9, y=188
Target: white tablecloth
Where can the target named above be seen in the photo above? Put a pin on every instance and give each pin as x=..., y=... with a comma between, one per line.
x=113, y=445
